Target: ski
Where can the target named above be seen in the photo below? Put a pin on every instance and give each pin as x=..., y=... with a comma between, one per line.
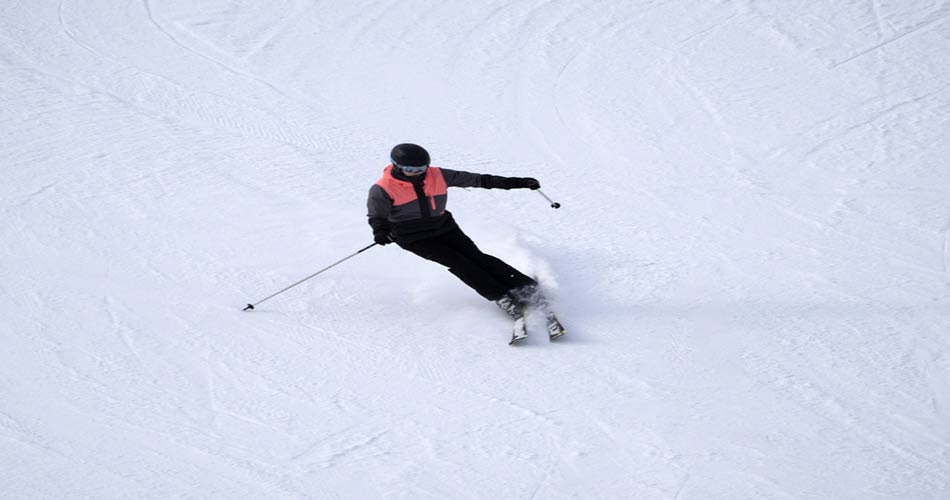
x=517, y=309
x=555, y=329
x=519, y=331
x=514, y=310
x=536, y=301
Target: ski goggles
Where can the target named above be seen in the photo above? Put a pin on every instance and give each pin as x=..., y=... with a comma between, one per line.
x=411, y=169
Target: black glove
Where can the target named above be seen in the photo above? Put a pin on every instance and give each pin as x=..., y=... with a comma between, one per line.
x=531, y=183
x=382, y=238
x=382, y=232
x=498, y=182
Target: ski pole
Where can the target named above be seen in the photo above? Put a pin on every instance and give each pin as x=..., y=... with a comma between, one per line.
x=553, y=203
x=251, y=306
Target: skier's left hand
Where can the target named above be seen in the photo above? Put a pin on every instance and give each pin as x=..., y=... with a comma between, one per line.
x=499, y=182
x=531, y=183
x=521, y=183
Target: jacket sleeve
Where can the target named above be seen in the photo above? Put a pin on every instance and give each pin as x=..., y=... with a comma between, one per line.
x=458, y=178
x=499, y=182
x=378, y=207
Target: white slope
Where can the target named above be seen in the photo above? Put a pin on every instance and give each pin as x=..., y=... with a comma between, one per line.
x=752, y=257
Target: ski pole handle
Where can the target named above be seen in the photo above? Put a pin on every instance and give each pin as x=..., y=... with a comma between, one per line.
x=553, y=203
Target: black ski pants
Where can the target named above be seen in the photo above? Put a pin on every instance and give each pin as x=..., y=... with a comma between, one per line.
x=486, y=274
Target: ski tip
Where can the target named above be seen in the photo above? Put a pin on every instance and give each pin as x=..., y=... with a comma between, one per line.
x=552, y=338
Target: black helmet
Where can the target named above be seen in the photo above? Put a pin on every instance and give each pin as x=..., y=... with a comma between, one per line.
x=409, y=155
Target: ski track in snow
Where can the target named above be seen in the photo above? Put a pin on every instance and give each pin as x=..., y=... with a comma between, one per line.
x=946, y=253
x=752, y=258
x=208, y=107
x=227, y=67
x=927, y=24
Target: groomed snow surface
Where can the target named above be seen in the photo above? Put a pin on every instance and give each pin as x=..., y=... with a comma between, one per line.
x=752, y=256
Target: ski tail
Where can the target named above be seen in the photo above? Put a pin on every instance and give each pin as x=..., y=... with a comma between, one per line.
x=519, y=330
x=533, y=298
x=555, y=329
x=515, y=310
x=518, y=303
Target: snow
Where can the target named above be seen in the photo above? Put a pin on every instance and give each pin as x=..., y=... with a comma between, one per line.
x=752, y=254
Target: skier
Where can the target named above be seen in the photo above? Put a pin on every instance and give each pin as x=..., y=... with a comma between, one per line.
x=407, y=206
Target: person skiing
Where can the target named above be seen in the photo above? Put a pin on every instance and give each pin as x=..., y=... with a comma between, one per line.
x=407, y=205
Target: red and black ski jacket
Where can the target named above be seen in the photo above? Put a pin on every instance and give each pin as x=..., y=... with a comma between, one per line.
x=413, y=209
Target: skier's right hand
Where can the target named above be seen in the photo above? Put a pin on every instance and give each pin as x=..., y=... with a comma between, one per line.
x=382, y=237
